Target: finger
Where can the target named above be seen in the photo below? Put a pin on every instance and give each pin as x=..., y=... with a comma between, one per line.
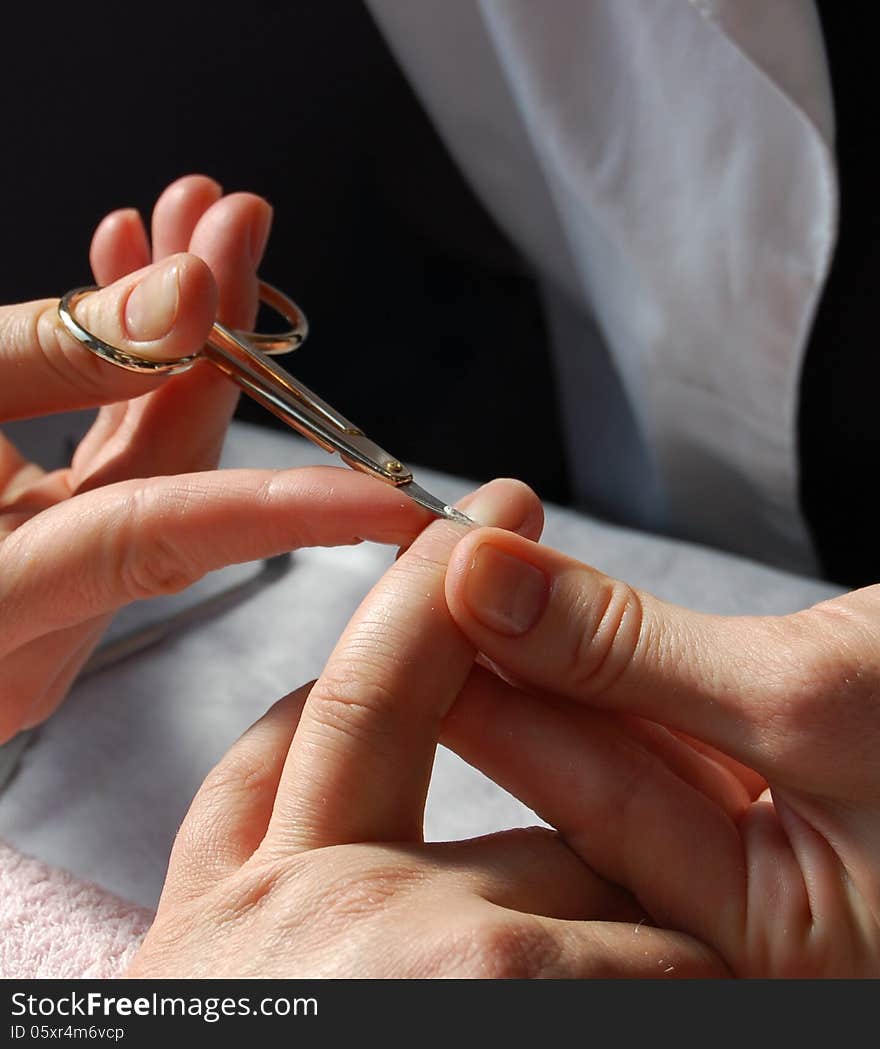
x=178, y=210
x=181, y=428
x=119, y=246
x=160, y=312
x=37, y=676
x=16, y=472
x=229, y=814
x=89, y=556
x=231, y=237
x=120, y=243
x=697, y=766
x=753, y=783
x=105, y=433
x=528, y=947
x=562, y=626
x=534, y=871
x=629, y=816
x=359, y=766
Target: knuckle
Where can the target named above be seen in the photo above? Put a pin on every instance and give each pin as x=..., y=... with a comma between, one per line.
x=65, y=356
x=818, y=694
x=611, y=627
x=355, y=701
x=150, y=561
x=205, y=831
x=240, y=782
x=500, y=948
x=252, y=894
x=241, y=776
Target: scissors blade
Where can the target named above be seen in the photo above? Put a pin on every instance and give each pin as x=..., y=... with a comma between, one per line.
x=242, y=357
x=313, y=417
x=432, y=503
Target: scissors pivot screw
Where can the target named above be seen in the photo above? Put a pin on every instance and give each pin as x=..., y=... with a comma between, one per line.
x=242, y=357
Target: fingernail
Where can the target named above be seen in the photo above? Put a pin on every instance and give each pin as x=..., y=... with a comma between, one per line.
x=505, y=593
x=152, y=306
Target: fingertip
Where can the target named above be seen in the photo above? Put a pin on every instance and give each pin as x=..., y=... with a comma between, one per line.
x=242, y=220
x=198, y=291
x=178, y=210
x=119, y=245
x=506, y=503
x=120, y=218
x=162, y=311
x=196, y=305
x=187, y=188
x=231, y=236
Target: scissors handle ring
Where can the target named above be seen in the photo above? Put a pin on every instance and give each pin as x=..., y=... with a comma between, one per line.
x=282, y=342
x=271, y=343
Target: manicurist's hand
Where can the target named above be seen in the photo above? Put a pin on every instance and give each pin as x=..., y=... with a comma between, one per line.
x=140, y=510
x=302, y=854
x=724, y=771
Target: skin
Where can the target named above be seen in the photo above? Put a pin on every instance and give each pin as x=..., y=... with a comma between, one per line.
x=723, y=770
x=712, y=781
x=302, y=854
x=128, y=518
x=716, y=779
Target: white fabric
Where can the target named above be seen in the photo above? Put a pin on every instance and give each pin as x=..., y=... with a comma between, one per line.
x=102, y=787
x=667, y=166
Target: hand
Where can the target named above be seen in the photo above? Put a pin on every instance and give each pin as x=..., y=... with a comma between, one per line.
x=723, y=770
x=78, y=543
x=302, y=854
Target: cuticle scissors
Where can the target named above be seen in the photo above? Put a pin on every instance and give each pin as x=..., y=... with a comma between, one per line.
x=246, y=358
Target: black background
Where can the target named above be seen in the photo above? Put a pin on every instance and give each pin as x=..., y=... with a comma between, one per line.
x=630, y=1014
x=425, y=327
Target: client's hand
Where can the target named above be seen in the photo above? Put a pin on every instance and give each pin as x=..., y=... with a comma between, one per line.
x=302, y=854
x=723, y=770
x=76, y=544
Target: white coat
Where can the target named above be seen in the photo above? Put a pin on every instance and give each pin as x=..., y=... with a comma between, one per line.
x=667, y=166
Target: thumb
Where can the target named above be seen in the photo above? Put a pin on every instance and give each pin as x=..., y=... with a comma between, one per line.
x=162, y=311
x=789, y=696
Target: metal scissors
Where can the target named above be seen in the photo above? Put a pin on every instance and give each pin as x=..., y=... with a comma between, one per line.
x=245, y=358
